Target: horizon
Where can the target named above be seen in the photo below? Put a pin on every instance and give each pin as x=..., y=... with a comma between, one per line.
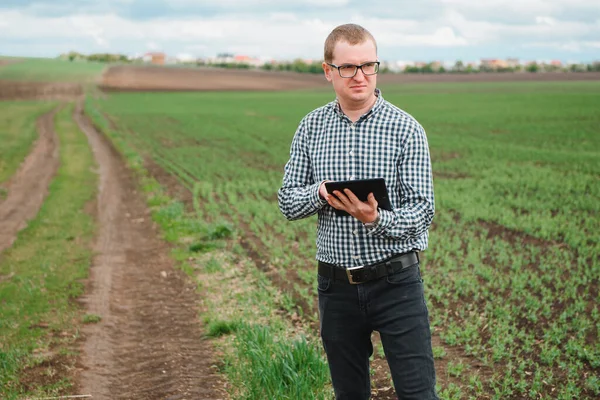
x=445, y=63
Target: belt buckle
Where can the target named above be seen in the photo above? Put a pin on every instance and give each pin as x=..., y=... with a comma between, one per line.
x=351, y=277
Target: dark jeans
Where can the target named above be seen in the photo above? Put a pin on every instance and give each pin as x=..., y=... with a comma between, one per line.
x=395, y=307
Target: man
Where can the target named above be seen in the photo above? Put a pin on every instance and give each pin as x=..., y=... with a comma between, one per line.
x=369, y=278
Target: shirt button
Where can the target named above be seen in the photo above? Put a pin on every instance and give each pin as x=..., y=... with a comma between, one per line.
x=351, y=153
x=355, y=232
x=350, y=178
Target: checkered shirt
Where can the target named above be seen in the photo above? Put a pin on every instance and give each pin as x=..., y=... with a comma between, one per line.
x=386, y=142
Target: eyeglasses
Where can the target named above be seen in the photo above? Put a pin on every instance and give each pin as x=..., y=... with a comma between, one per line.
x=349, y=70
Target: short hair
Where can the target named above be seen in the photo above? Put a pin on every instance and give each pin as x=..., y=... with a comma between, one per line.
x=351, y=33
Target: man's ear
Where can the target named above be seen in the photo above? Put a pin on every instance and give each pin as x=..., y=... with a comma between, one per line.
x=327, y=71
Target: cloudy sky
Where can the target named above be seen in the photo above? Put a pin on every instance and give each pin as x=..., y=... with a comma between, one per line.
x=424, y=30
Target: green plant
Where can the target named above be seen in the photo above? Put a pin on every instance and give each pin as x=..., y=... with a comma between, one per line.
x=220, y=328
x=91, y=318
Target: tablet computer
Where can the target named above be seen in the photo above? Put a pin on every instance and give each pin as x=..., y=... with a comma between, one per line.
x=361, y=188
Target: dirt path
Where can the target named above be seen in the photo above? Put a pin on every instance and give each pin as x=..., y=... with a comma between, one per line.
x=28, y=188
x=149, y=343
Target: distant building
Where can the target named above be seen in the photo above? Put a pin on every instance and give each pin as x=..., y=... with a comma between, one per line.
x=493, y=64
x=512, y=63
x=436, y=65
x=556, y=63
x=391, y=66
x=155, y=58
x=396, y=66
x=241, y=59
x=222, y=58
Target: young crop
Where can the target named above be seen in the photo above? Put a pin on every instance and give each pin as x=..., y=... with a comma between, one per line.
x=511, y=273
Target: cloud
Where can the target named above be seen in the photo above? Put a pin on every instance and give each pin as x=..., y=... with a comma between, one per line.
x=427, y=29
x=519, y=12
x=542, y=28
x=570, y=46
x=545, y=20
x=152, y=9
x=438, y=37
x=504, y=11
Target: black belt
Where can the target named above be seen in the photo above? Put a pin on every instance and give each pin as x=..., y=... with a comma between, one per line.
x=367, y=273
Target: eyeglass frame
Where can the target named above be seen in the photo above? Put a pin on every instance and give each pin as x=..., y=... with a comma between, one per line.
x=356, y=68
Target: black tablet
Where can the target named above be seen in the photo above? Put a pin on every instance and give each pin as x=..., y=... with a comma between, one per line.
x=361, y=188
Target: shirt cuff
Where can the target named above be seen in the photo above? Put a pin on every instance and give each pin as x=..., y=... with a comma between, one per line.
x=317, y=201
x=385, y=219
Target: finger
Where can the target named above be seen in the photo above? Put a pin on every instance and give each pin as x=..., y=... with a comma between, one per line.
x=335, y=203
x=342, y=197
x=372, y=201
x=333, y=199
x=351, y=196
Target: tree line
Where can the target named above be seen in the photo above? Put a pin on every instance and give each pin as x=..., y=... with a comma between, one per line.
x=315, y=67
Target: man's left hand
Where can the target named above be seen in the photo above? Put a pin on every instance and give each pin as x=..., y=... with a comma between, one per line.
x=364, y=211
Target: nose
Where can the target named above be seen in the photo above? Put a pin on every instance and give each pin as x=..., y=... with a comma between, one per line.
x=359, y=75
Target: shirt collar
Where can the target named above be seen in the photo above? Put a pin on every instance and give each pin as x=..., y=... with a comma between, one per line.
x=335, y=106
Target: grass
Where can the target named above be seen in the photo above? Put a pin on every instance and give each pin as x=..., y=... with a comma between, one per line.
x=512, y=271
x=45, y=266
x=233, y=291
x=18, y=133
x=271, y=369
x=91, y=319
x=51, y=70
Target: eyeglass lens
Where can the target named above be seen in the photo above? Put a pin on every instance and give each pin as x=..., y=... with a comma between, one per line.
x=348, y=71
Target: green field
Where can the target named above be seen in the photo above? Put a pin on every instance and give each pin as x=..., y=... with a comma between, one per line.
x=50, y=70
x=512, y=271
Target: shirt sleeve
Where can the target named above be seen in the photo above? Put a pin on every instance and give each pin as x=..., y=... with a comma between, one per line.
x=417, y=206
x=299, y=195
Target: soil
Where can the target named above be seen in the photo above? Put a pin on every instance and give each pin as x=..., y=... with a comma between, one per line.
x=149, y=343
x=9, y=61
x=28, y=188
x=180, y=79
x=155, y=78
x=13, y=90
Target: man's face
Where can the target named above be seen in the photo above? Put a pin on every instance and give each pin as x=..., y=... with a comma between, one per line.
x=360, y=88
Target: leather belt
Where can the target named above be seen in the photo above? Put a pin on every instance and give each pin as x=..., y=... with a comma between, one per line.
x=361, y=274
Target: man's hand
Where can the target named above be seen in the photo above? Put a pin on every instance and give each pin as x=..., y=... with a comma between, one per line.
x=364, y=211
x=323, y=191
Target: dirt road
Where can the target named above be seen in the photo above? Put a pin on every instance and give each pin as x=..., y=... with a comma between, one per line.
x=149, y=342
x=28, y=188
